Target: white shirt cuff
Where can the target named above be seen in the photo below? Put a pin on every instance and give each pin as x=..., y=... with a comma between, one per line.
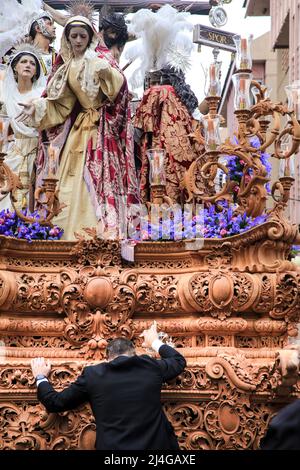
x=38, y=382
x=157, y=343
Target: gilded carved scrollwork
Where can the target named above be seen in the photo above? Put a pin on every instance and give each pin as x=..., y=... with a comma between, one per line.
x=265, y=300
x=286, y=300
x=155, y=293
x=37, y=342
x=39, y=292
x=188, y=422
x=228, y=306
x=234, y=424
x=97, y=252
x=197, y=292
x=19, y=377
x=97, y=309
x=29, y=427
x=215, y=261
x=239, y=370
x=7, y=288
x=18, y=427
x=230, y=420
x=221, y=293
x=219, y=416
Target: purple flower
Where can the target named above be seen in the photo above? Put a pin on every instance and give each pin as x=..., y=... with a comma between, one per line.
x=12, y=226
x=236, y=165
x=216, y=221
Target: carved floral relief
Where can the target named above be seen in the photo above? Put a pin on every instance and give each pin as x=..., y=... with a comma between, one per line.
x=229, y=318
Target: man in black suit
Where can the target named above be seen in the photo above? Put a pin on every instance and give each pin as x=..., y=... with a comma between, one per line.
x=283, y=432
x=284, y=429
x=124, y=394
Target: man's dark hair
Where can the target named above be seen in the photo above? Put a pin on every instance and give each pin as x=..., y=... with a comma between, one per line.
x=114, y=30
x=184, y=92
x=119, y=346
x=33, y=31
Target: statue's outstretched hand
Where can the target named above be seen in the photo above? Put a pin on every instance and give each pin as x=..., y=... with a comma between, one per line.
x=28, y=112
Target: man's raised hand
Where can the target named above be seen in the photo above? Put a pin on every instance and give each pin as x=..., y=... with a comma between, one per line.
x=40, y=367
x=150, y=335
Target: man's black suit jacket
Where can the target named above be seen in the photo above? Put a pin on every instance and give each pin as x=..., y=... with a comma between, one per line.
x=284, y=429
x=125, y=398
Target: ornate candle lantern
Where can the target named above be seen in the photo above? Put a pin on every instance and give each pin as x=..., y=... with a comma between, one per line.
x=242, y=83
x=6, y=183
x=157, y=177
x=293, y=95
x=211, y=132
x=157, y=170
x=243, y=59
x=4, y=125
x=51, y=153
x=287, y=165
x=213, y=83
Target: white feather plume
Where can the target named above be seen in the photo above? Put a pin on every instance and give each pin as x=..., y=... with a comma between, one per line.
x=162, y=39
x=134, y=50
x=136, y=79
x=178, y=54
x=14, y=27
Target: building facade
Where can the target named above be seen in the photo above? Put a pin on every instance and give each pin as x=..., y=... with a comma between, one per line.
x=285, y=40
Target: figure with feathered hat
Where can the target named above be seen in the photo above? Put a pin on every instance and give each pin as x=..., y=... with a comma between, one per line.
x=96, y=176
x=165, y=117
x=23, y=80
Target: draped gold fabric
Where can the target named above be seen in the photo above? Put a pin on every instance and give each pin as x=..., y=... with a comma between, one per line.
x=20, y=159
x=73, y=190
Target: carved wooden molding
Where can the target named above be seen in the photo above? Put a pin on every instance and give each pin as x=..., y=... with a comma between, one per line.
x=228, y=306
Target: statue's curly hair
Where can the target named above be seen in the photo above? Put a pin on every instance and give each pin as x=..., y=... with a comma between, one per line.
x=171, y=76
x=114, y=30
